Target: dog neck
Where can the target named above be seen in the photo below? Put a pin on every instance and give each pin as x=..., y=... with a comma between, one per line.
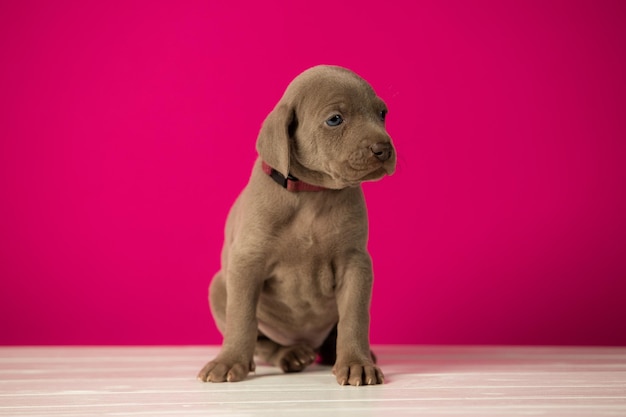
x=290, y=183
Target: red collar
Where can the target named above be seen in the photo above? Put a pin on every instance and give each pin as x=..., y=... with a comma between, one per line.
x=290, y=183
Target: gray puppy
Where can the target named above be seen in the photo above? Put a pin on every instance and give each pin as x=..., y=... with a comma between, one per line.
x=296, y=276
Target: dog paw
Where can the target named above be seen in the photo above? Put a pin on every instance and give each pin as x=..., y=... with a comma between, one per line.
x=225, y=371
x=295, y=358
x=358, y=373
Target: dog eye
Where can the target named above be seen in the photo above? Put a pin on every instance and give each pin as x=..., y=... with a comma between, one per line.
x=336, y=120
x=383, y=115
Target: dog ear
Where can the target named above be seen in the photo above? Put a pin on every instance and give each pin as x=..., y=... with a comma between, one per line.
x=275, y=136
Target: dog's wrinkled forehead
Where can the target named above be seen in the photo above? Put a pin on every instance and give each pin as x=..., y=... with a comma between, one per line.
x=321, y=84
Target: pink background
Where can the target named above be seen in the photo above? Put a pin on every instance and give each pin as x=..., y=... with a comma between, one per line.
x=128, y=128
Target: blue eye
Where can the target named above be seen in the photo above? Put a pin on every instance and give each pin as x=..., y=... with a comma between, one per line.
x=336, y=120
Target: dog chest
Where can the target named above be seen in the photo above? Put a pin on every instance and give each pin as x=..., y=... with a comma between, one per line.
x=297, y=303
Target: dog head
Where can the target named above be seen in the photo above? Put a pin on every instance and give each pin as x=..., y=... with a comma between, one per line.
x=328, y=129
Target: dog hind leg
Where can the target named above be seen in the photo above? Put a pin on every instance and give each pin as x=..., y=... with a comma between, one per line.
x=288, y=358
x=217, y=301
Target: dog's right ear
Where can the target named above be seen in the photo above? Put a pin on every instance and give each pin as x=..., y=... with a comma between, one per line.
x=275, y=136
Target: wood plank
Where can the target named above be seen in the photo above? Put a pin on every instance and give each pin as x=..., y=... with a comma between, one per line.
x=421, y=380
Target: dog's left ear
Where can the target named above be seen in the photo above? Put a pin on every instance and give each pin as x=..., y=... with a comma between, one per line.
x=274, y=137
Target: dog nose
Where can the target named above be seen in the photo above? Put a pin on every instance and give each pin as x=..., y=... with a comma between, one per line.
x=382, y=150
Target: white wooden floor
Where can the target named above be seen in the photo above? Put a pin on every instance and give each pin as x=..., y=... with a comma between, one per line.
x=420, y=381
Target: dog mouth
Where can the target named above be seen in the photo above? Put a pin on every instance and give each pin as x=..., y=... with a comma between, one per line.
x=372, y=168
x=355, y=175
x=376, y=174
x=356, y=169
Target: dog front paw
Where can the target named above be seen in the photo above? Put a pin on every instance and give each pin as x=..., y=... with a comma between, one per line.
x=220, y=370
x=358, y=373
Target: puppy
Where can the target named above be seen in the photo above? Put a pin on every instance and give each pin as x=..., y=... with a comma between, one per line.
x=296, y=276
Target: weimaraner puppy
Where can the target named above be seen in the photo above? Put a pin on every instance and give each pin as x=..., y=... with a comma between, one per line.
x=296, y=276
